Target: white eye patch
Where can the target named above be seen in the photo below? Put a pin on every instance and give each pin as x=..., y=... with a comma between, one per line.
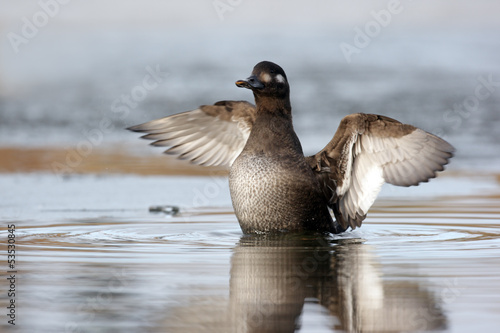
x=266, y=78
x=280, y=78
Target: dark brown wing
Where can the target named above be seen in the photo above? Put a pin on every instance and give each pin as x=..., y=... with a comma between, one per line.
x=210, y=135
x=368, y=150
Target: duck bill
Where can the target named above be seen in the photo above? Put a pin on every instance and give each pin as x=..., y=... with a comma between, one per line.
x=250, y=83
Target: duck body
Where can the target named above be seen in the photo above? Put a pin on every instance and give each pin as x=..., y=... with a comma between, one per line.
x=272, y=187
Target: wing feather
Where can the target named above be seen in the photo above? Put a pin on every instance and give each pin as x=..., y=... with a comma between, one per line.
x=368, y=150
x=210, y=135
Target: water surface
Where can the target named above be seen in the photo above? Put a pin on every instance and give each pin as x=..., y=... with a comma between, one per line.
x=100, y=262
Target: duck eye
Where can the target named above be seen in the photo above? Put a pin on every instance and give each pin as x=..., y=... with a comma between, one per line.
x=272, y=71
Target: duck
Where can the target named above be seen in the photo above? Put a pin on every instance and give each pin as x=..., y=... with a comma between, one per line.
x=274, y=187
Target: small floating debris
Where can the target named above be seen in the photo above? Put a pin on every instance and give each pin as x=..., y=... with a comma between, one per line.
x=166, y=209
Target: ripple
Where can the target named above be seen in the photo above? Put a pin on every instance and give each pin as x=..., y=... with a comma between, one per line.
x=443, y=228
x=194, y=253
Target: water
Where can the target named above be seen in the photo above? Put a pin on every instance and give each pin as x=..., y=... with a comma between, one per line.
x=98, y=261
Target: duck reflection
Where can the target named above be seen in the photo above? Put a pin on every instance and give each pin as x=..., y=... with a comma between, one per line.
x=272, y=276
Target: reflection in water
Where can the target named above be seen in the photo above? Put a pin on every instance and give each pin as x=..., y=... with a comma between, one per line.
x=269, y=279
x=273, y=276
x=365, y=302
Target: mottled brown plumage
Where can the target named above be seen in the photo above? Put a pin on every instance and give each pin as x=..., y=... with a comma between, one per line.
x=273, y=186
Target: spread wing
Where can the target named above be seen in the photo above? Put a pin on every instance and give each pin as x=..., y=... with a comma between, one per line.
x=210, y=135
x=368, y=150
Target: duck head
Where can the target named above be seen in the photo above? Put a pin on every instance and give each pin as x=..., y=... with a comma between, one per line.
x=269, y=85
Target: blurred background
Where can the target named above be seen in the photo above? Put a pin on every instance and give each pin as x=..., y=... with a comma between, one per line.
x=74, y=74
